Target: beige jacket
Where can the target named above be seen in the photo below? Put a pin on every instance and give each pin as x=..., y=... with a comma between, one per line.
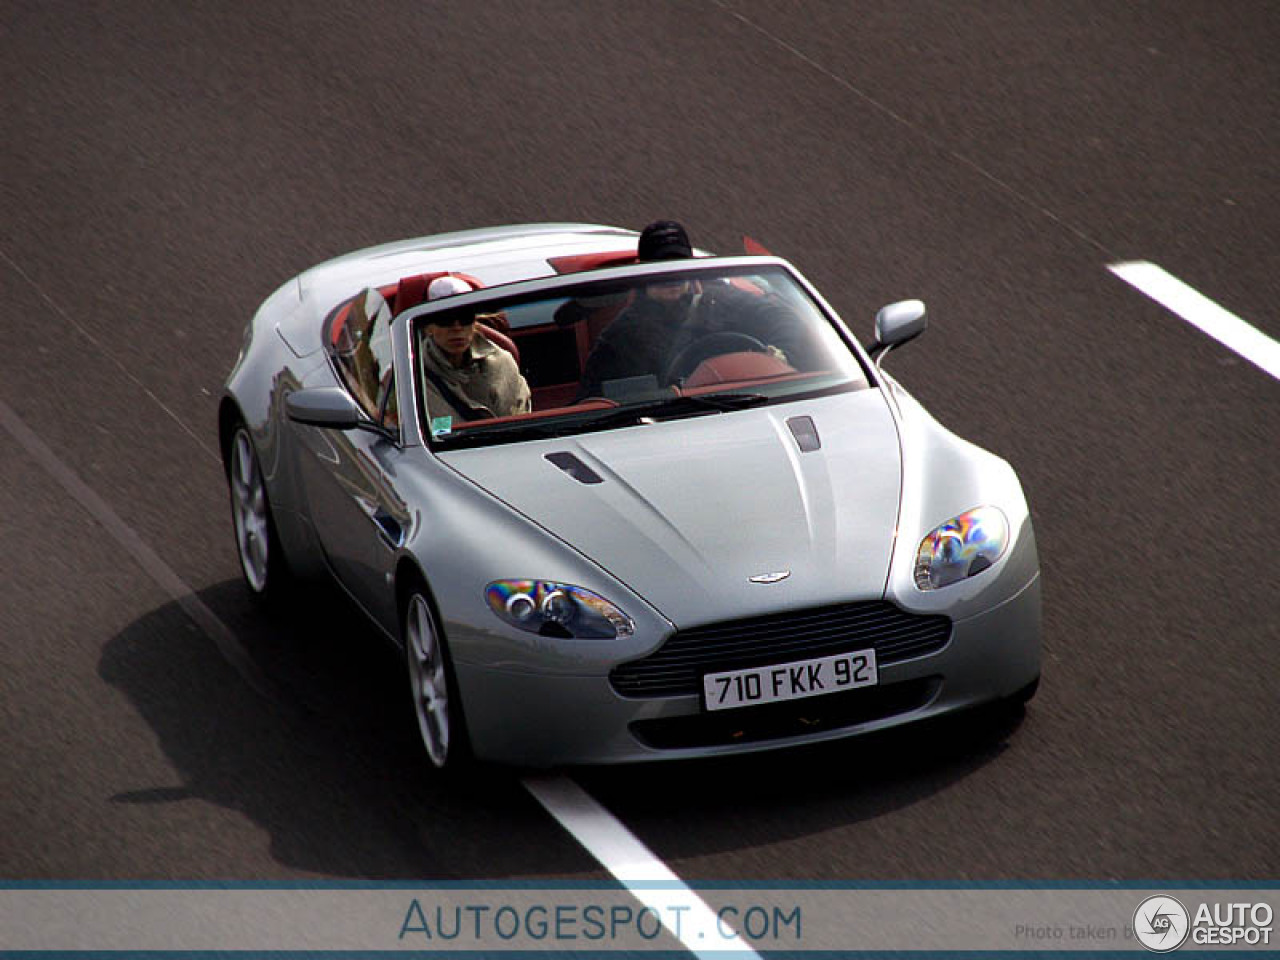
x=490, y=381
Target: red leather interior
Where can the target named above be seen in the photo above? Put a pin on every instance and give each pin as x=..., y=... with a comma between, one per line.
x=577, y=262
x=588, y=318
x=733, y=367
x=745, y=285
x=731, y=386
x=410, y=292
x=339, y=323
x=595, y=403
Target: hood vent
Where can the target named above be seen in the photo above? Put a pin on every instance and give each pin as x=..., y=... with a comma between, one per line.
x=806, y=434
x=574, y=467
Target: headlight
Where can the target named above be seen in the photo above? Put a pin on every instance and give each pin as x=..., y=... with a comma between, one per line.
x=557, y=610
x=962, y=547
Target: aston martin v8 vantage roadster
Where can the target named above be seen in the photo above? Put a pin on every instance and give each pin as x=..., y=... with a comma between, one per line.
x=613, y=510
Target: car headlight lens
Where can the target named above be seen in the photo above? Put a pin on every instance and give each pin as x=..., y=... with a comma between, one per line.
x=962, y=547
x=557, y=610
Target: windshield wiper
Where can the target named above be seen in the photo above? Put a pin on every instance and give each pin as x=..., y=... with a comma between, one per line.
x=673, y=407
x=480, y=434
x=726, y=401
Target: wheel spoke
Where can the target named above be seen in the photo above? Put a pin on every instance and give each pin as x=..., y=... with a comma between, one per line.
x=257, y=523
x=426, y=642
x=244, y=460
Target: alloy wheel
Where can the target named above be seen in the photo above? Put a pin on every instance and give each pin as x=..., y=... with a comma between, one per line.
x=249, y=511
x=429, y=677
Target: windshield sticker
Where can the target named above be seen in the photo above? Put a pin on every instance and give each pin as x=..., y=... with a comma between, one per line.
x=441, y=426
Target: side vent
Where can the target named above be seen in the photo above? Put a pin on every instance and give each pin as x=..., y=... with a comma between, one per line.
x=806, y=434
x=574, y=467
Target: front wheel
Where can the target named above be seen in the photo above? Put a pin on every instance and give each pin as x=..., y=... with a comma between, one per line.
x=261, y=559
x=435, y=701
x=1022, y=697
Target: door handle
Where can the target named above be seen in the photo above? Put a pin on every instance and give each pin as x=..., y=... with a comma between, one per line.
x=389, y=528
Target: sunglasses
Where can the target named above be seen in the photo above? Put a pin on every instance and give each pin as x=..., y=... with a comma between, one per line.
x=458, y=320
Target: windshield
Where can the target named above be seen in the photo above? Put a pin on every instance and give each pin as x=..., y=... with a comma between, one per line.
x=614, y=353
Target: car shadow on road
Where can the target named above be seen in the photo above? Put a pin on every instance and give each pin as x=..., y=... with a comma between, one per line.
x=698, y=808
x=329, y=764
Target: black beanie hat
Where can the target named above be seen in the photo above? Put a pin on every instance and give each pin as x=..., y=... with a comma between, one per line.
x=664, y=240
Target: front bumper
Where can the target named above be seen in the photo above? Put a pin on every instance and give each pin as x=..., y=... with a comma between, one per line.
x=532, y=719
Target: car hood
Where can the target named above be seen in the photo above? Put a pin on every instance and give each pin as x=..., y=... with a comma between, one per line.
x=687, y=512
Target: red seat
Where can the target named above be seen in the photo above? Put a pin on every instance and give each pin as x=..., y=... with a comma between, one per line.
x=736, y=367
x=411, y=291
x=577, y=262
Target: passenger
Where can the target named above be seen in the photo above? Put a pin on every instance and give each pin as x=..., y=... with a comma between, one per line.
x=669, y=316
x=465, y=376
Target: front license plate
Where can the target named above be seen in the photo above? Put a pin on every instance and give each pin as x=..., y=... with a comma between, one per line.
x=790, y=681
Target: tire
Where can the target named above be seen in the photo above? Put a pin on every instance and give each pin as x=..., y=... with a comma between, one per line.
x=262, y=560
x=1012, y=708
x=436, y=704
x=1023, y=696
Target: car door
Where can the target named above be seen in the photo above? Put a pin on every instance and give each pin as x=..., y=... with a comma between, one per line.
x=350, y=475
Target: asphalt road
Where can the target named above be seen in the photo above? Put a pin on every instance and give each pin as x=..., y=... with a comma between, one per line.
x=166, y=166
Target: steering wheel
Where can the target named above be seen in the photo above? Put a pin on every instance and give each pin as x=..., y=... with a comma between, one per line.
x=711, y=345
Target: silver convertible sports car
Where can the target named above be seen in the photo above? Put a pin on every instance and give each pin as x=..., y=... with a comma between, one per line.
x=702, y=521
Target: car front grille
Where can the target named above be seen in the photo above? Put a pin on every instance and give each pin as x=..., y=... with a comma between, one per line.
x=676, y=668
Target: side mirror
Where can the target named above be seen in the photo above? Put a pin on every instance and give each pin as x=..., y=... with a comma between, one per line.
x=897, y=323
x=330, y=407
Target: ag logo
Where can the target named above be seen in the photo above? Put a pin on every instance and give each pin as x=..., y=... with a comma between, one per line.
x=1161, y=923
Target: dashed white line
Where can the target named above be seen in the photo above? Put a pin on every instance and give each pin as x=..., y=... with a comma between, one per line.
x=1201, y=312
x=648, y=879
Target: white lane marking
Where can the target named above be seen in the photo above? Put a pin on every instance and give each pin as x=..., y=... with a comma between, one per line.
x=1199, y=311
x=679, y=909
x=588, y=822
x=230, y=648
x=648, y=879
